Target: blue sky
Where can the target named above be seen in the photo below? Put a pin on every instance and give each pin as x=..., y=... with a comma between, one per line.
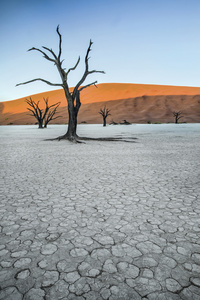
x=135, y=41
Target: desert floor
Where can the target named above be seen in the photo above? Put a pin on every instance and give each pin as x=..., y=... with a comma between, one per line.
x=100, y=220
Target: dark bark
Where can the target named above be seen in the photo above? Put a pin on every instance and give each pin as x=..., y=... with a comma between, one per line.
x=71, y=132
x=43, y=116
x=50, y=116
x=40, y=125
x=125, y=123
x=105, y=112
x=113, y=123
x=177, y=116
x=73, y=99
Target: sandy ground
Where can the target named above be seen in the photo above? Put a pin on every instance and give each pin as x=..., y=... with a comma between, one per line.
x=100, y=220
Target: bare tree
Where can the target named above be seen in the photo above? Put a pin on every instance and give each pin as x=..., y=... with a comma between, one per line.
x=43, y=116
x=105, y=112
x=177, y=116
x=125, y=123
x=73, y=98
x=113, y=122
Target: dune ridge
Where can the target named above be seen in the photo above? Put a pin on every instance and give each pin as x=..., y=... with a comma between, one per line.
x=137, y=103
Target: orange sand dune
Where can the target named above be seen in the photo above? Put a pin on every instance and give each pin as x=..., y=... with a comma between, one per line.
x=137, y=103
x=103, y=92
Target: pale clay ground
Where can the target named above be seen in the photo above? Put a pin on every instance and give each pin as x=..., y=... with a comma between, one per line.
x=100, y=220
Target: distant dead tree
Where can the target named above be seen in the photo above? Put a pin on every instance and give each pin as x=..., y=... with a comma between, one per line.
x=177, y=116
x=73, y=98
x=43, y=116
x=113, y=123
x=105, y=112
x=125, y=123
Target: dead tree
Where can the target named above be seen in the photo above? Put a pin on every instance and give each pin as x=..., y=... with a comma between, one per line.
x=125, y=123
x=105, y=112
x=73, y=98
x=177, y=116
x=43, y=116
x=113, y=123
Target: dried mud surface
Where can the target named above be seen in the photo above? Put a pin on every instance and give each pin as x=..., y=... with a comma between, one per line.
x=100, y=220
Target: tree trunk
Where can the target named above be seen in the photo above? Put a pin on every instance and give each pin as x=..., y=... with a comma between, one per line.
x=77, y=107
x=72, y=123
x=104, y=121
x=73, y=114
x=40, y=124
x=71, y=132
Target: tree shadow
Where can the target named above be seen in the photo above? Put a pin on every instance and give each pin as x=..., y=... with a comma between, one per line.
x=79, y=139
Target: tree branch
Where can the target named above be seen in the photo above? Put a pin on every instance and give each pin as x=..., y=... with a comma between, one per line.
x=105, y=112
x=40, y=79
x=51, y=51
x=95, y=71
x=58, y=103
x=78, y=101
x=32, y=111
x=36, y=110
x=72, y=69
x=60, y=42
x=51, y=114
x=45, y=55
x=86, y=73
x=56, y=117
x=83, y=87
x=46, y=108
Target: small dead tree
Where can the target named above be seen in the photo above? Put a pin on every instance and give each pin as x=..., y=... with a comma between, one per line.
x=177, y=116
x=113, y=123
x=43, y=116
x=105, y=112
x=125, y=123
x=73, y=98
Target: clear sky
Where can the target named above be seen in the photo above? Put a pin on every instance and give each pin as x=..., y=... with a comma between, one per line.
x=135, y=41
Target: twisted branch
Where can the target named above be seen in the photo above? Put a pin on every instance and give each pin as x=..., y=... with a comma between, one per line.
x=60, y=43
x=51, y=114
x=44, y=54
x=40, y=79
x=85, y=86
x=51, y=51
x=36, y=112
x=87, y=72
x=72, y=69
x=177, y=115
x=105, y=112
